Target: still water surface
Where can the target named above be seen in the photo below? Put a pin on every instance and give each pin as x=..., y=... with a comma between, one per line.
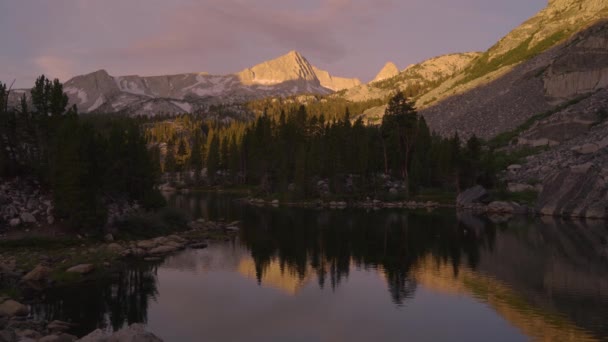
x=387, y=275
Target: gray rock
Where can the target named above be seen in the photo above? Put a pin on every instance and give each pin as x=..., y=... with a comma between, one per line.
x=28, y=218
x=59, y=326
x=82, y=269
x=501, y=207
x=38, y=274
x=11, y=308
x=517, y=187
x=134, y=333
x=50, y=219
x=7, y=336
x=14, y=222
x=59, y=338
x=115, y=248
x=161, y=250
x=474, y=195
x=578, y=191
x=26, y=334
x=586, y=149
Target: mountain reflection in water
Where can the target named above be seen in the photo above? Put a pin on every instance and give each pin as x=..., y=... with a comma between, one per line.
x=547, y=279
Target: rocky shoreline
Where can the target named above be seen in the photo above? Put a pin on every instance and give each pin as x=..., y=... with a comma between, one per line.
x=53, y=268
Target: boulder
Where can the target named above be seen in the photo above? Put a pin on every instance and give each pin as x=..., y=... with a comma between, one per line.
x=109, y=237
x=161, y=250
x=475, y=195
x=134, y=333
x=14, y=222
x=82, y=269
x=59, y=326
x=38, y=274
x=147, y=244
x=115, y=248
x=8, y=335
x=12, y=308
x=501, y=207
x=517, y=187
x=28, y=334
x=586, y=149
x=514, y=168
x=28, y=218
x=59, y=338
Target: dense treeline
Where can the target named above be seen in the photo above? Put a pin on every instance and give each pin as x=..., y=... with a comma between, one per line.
x=296, y=150
x=331, y=107
x=85, y=165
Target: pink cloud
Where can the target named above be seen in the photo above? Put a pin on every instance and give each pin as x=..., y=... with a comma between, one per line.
x=54, y=67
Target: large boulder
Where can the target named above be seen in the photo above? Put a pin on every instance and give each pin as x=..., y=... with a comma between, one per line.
x=38, y=274
x=475, y=195
x=28, y=218
x=11, y=308
x=161, y=250
x=578, y=191
x=134, y=333
x=82, y=269
x=59, y=338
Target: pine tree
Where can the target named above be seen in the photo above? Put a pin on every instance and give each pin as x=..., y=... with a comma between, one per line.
x=213, y=158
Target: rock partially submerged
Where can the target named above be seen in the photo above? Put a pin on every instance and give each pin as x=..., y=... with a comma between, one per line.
x=472, y=196
x=134, y=333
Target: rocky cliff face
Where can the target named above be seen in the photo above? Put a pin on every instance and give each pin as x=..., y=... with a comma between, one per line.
x=287, y=75
x=576, y=67
x=580, y=69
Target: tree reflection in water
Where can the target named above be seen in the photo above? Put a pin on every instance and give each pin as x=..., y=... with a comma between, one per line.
x=107, y=303
x=546, y=276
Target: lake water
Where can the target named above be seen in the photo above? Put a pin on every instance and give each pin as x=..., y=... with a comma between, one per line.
x=352, y=275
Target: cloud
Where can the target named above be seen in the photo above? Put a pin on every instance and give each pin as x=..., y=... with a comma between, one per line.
x=54, y=67
x=221, y=26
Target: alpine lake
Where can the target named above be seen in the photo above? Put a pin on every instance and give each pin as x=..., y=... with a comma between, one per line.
x=355, y=275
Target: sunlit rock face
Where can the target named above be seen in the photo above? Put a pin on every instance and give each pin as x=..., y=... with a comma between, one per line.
x=389, y=70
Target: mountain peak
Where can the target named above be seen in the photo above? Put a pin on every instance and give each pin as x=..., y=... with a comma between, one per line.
x=289, y=67
x=389, y=70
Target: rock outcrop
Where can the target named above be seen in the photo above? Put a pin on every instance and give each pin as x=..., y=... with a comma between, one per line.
x=578, y=191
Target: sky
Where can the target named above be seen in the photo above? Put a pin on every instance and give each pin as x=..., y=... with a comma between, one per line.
x=349, y=38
